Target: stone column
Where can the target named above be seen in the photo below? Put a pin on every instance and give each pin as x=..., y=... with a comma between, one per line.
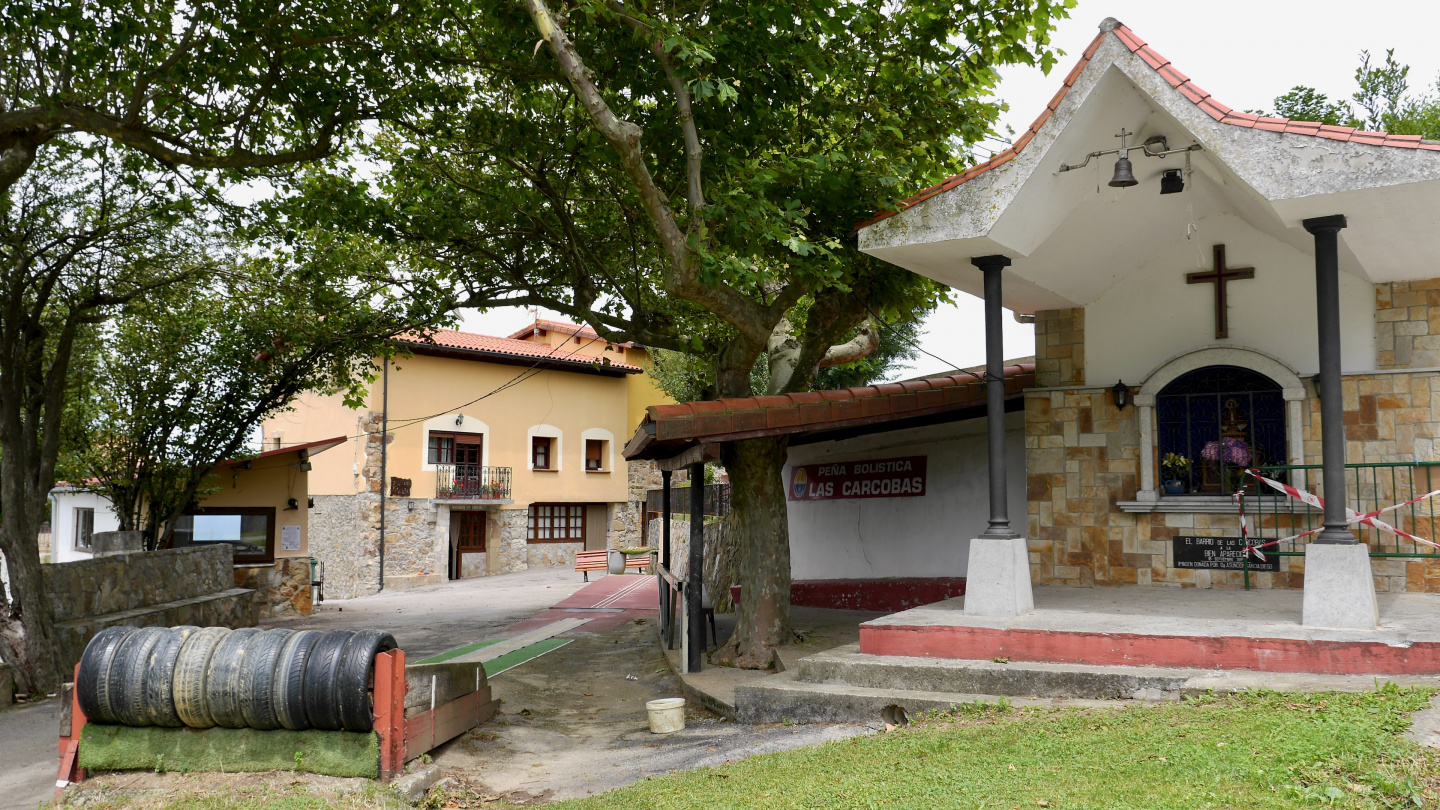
x=1339, y=590
x=1145, y=412
x=997, y=577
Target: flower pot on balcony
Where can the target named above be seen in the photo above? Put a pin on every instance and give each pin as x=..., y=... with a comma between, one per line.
x=1175, y=487
x=616, y=561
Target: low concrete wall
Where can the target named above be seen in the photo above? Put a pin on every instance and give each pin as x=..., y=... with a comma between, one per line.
x=166, y=588
x=284, y=586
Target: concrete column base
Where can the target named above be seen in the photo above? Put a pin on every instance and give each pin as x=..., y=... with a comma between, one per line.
x=1339, y=590
x=997, y=581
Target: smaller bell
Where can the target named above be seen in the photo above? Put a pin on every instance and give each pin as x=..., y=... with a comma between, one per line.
x=1124, y=176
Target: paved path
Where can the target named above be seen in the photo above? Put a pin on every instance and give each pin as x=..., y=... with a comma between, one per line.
x=611, y=602
x=28, y=759
x=429, y=620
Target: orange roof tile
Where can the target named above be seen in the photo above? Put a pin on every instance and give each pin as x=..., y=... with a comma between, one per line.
x=1190, y=90
x=487, y=344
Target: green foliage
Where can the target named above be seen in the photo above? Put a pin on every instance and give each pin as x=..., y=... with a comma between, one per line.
x=1382, y=98
x=188, y=373
x=1308, y=104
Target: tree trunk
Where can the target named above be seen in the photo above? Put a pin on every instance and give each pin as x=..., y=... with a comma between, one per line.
x=27, y=633
x=757, y=496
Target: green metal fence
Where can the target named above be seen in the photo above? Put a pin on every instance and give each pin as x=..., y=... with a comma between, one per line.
x=1368, y=487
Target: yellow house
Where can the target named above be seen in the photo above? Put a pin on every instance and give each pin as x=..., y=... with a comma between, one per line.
x=502, y=454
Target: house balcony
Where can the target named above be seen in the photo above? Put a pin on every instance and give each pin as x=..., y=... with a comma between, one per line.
x=472, y=483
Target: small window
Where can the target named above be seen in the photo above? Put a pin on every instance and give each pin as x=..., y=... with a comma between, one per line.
x=251, y=530
x=540, y=452
x=84, y=528
x=442, y=449
x=556, y=523
x=595, y=454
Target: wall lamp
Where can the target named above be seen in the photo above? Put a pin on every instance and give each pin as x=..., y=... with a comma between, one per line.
x=1121, y=391
x=459, y=419
x=1154, y=146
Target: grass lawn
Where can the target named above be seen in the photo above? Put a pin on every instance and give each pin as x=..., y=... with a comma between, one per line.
x=1248, y=751
x=1255, y=750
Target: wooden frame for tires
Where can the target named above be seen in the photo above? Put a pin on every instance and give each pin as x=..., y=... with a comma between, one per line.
x=401, y=739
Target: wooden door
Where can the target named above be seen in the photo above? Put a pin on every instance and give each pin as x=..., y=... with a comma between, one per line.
x=470, y=540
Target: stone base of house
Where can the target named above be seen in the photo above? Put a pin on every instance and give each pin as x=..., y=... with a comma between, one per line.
x=284, y=586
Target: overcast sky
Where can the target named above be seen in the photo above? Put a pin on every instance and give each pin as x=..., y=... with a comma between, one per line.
x=1243, y=52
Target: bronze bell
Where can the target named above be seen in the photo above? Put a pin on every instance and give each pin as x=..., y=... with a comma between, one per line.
x=1124, y=177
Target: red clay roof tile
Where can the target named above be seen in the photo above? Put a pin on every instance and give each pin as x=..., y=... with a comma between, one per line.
x=560, y=356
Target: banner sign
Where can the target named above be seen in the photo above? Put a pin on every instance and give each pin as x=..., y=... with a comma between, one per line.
x=1220, y=553
x=879, y=478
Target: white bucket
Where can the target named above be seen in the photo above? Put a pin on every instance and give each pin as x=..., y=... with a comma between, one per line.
x=666, y=715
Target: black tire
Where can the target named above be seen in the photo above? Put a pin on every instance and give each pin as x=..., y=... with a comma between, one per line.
x=92, y=682
x=353, y=682
x=159, y=678
x=127, y=675
x=257, y=679
x=189, y=682
x=222, y=678
x=322, y=709
x=288, y=696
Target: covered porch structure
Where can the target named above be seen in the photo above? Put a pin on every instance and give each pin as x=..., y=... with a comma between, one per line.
x=1213, y=292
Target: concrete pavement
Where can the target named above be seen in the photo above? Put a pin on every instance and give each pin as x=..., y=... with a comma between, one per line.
x=28, y=758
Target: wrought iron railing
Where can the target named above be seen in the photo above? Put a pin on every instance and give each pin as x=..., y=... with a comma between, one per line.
x=1367, y=487
x=472, y=482
x=717, y=500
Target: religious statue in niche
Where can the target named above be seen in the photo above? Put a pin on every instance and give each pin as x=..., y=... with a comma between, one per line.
x=1229, y=455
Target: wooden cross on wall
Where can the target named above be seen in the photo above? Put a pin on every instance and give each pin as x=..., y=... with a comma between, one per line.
x=1219, y=276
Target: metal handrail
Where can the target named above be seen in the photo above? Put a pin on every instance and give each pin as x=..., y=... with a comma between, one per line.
x=1368, y=486
x=472, y=482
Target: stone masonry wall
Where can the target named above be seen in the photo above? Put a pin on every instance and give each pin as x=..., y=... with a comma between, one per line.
x=1060, y=347
x=625, y=520
x=1407, y=324
x=284, y=587
x=344, y=542
x=164, y=588
x=1082, y=459
x=129, y=581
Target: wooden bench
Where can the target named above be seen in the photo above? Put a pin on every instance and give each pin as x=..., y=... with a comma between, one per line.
x=587, y=561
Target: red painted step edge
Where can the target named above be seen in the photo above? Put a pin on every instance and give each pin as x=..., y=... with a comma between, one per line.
x=1127, y=649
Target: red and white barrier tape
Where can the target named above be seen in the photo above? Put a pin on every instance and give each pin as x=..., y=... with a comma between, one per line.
x=1310, y=499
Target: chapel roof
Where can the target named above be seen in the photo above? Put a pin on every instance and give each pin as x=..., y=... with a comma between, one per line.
x=1172, y=75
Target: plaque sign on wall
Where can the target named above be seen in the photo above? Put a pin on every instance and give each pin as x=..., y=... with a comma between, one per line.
x=1220, y=554
x=868, y=478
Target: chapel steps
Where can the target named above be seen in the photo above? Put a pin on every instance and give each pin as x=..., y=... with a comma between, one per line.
x=845, y=685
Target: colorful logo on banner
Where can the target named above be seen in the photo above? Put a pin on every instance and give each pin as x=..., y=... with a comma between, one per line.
x=878, y=478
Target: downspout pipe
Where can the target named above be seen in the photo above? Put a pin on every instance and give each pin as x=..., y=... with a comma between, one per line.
x=384, y=456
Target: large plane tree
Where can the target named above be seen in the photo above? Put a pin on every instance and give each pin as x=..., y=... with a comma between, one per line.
x=688, y=175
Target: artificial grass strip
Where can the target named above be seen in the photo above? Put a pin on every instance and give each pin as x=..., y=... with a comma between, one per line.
x=229, y=750
x=458, y=651
x=509, y=660
x=1256, y=750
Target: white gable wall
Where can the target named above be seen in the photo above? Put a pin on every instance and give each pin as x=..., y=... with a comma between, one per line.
x=1152, y=315
x=928, y=536
x=62, y=522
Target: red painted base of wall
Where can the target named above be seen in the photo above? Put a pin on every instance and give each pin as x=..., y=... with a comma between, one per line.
x=883, y=595
x=1125, y=649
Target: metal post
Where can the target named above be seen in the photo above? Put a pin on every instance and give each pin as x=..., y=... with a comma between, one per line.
x=1332, y=439
x=695, y=575
x=995, y=395
x=384, y=457
x=667, y=599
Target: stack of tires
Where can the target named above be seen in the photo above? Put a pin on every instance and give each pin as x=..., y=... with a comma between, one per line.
x=214, y=676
